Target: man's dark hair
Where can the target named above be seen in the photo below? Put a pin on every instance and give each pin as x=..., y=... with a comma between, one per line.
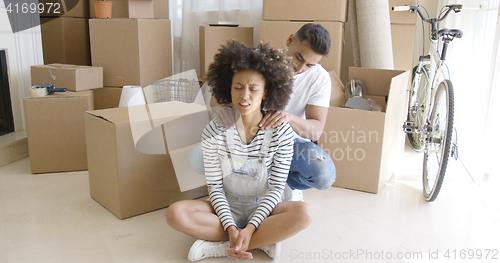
x=271, y=63
x=317, y=37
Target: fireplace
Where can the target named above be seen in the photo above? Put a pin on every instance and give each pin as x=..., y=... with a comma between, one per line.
x=6, y=117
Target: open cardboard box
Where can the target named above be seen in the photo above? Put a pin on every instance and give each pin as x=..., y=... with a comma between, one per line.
x=365, y=146
x=138, y=156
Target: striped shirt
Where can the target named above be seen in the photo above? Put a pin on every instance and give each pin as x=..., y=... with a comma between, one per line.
x=214, y=147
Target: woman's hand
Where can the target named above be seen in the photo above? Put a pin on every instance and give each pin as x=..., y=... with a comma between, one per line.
x=240, y=239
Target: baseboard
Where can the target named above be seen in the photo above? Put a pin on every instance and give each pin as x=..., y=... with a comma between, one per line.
x=13, y=147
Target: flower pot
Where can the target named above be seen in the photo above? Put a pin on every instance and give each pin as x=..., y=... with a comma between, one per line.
x=103, y=9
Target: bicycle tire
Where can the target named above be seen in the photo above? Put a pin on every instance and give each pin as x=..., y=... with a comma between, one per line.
x=419, y=99
x=438, y=140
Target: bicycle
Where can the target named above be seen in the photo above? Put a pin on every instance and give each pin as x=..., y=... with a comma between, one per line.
x=429, y=124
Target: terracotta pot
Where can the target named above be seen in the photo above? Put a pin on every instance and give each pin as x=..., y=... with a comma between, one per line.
x=103, y=9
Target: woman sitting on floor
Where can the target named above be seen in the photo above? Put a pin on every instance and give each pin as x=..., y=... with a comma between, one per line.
x=246, y=168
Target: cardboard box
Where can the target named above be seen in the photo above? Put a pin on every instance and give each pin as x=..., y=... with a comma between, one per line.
x=56, y=132
x=107, y=97
x=74, y=8
x=71, y=77
x=65, y=40
x=213, y=37
x=403, y=43
x=366, y=145
x=161, y=9
x=131, y=51
x=401, y=17
x=128, y=9
x=317, y=10
x=123, y=178
x=277, y=32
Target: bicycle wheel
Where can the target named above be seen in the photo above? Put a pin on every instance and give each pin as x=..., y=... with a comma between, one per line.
x=438, y=140
x=419, y=99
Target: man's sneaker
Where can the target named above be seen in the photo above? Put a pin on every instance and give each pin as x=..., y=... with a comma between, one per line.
x=292, y=195
x=207, y=249
x=273, y=251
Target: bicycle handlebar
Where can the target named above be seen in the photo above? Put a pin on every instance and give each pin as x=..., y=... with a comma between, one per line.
x=412, y=8
x=433, y=21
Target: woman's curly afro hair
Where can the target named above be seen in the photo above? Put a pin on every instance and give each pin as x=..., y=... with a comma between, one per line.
x=271, y=63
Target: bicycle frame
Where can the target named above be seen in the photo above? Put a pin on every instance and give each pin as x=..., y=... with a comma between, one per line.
x=437, y=63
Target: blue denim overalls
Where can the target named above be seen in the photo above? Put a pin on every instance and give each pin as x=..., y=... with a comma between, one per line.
x=245, y=179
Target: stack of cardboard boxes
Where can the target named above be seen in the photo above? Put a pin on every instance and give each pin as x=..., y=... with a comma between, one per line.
x=283, y=18
x=67, y=133
x=54, y=123
x=133, y=47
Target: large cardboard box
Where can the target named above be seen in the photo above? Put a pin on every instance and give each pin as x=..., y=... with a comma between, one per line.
x=65, y=40
x=403, y=43
x=212, y=37
x=131, y=51
x=107, y=97
x=123, y=178
x=300, y=10
x=56, y=131
x=401, y=17
x=71, y=77
x=277, y=32
x=66, y=8
x=161, y=9
x=128, y=9
x=367, y=145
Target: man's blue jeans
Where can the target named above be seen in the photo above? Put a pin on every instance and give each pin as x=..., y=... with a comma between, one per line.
x=311, y=166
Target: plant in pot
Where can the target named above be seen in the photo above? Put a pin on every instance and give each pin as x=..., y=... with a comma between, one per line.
x=103, y=8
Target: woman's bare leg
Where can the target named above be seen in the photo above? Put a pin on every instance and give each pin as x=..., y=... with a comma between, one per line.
x=286, y=220
x=196, y=218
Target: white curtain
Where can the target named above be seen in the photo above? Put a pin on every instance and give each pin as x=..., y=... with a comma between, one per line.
x=188, y=15
x=473, y=62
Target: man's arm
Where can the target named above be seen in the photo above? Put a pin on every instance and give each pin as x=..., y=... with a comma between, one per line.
x=309, y=128
x=224, y=114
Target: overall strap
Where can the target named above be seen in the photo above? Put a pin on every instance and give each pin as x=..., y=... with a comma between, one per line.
x=264, y=149
x=230, y=139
